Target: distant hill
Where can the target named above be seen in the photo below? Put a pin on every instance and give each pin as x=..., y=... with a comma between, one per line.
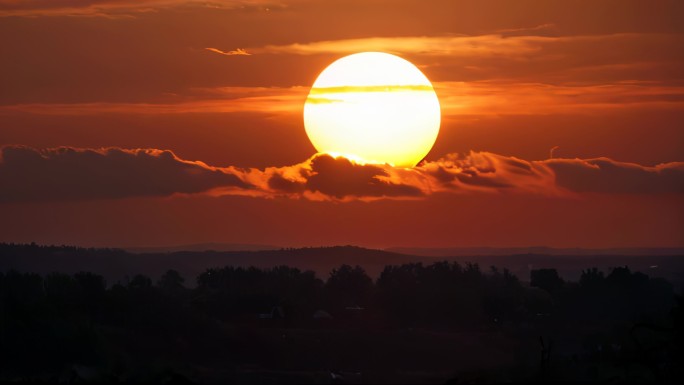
x=542, y=250
x=201, y=247
x=119, y=265
x=656, y=262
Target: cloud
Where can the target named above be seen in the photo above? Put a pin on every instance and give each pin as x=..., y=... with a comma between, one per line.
x=481, y=45
x=28, y=174
x=118, y=8
x=65, y=173
x=456, y=99
x=200, y=100
x=236, y=52
x=519, y=56
x=604, y=175
x=484, y=171
x=522, y=44
x=545, y=28
x=526, y=98
x=554, y=176
x=326, y=177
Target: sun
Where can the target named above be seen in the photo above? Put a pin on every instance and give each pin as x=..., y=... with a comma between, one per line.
x=373, y=107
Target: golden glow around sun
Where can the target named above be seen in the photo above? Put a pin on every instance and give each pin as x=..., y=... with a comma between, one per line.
x=373, y=107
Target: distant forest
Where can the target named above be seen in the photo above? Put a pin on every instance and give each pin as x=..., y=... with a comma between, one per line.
x=433, y=322
x=118, y=265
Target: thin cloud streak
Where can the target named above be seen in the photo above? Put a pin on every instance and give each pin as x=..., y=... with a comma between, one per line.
x=496, y=97
x=214, y=100
x=117, y=8
x=516, y=98
x=484, y=45
x=499, y=45
x=521, y=58
x=236, y=52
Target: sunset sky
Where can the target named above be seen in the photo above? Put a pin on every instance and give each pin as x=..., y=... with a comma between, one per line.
x=166, y=122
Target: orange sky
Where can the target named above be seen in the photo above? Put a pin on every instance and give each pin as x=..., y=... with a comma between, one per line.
x=215, y=91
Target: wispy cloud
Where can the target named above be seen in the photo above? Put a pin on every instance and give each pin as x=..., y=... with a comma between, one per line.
x=484, y=45
x=504, y=44
x=85, y=174
x=118, y=8
x=521, y=56
x=535, y=30
x=500, y=97
x=236, y=52
x=359, y=89
x=267, y=100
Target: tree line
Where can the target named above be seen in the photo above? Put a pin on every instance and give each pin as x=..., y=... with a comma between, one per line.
x=50, y=321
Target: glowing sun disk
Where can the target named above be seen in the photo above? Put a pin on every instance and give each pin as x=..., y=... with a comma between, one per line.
x=373, y=107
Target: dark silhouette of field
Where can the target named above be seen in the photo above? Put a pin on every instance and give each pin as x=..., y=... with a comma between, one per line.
x=428, y=322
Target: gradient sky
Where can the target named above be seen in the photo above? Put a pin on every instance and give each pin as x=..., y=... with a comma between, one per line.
x=162, y=122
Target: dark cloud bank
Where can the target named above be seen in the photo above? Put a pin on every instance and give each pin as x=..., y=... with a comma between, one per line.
x=58, y=174
x=64, y=173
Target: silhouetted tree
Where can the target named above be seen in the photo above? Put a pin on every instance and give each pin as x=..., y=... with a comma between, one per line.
x=140, y=282
x=171, y=281
x=546, y=279
x=591, y=278
x=348, y=286
x=231, y=291
x=504, y=296
x=442, y=293
x=92, y=290
x=398, y=292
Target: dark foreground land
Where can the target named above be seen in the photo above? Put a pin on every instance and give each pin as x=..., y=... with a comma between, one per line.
x=429, y=322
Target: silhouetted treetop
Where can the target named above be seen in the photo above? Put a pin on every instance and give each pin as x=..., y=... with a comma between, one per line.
x=171, y=281
x=546, y=279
